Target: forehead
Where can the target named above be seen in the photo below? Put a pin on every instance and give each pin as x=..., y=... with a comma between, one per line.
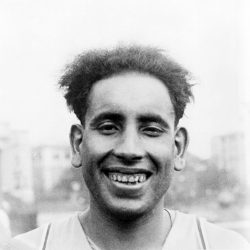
x=133, y=93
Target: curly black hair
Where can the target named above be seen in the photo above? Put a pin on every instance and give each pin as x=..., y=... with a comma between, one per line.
x=94, y=65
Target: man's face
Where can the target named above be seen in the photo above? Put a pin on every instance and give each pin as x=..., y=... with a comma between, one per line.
x=128, y=143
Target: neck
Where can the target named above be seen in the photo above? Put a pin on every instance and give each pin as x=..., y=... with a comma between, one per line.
x=148, y=231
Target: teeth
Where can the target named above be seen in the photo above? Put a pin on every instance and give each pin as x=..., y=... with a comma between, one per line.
x=131, y=179
x=124, y=178
x=142, y=178
x=128, y=178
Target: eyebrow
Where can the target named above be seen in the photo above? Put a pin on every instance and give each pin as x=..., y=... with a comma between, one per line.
x=151, y=117
x=114, y=116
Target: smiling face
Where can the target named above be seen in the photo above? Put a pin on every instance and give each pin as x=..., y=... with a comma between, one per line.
x=128, y=144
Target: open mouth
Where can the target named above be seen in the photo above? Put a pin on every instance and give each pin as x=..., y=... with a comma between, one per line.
x=127, y=178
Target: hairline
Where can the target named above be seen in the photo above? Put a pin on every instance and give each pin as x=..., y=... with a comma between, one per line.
x=122, y=73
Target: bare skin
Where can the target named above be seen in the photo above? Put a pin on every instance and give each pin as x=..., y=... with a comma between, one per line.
x=129, y=132
x=148, y=232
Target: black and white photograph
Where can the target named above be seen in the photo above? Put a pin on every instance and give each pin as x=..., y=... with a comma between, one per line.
x=124, y=125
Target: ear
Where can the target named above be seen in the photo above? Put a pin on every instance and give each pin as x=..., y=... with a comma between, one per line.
x=76, y=133
x=181, y=143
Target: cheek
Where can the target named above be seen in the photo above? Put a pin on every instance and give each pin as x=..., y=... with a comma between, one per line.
x=94, y=150
x=162, y=153
x=165, y=171
x=162, y=156
x=95, y=145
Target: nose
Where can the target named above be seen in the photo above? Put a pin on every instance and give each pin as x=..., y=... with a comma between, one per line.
x=129, y=147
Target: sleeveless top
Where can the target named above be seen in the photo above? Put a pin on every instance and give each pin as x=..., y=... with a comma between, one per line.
x=187, y=232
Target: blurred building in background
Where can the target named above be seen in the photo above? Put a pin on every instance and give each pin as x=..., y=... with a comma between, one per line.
x=49, y=164
x=228, y=152
x=15, y=163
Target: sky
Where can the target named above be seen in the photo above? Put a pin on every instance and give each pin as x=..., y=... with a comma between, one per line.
x=38, y=38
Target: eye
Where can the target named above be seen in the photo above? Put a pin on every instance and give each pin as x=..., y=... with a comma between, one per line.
x=107, y=128
x=152, y=131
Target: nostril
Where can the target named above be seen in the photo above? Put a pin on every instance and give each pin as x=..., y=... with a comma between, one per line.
x=128, y=158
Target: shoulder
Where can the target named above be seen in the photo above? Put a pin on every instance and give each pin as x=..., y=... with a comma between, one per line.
x=28, y=241
x=221, y=238
x=214, y=237
x=35, y=239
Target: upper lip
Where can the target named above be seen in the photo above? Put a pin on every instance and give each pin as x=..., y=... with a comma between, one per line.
x=126, y=170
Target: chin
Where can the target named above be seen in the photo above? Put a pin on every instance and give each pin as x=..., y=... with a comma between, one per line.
x=129, y=211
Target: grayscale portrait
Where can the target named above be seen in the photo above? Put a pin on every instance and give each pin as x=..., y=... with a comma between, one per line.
x=124, y=125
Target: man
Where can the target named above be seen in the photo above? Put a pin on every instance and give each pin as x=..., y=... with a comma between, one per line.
x=129, y=101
